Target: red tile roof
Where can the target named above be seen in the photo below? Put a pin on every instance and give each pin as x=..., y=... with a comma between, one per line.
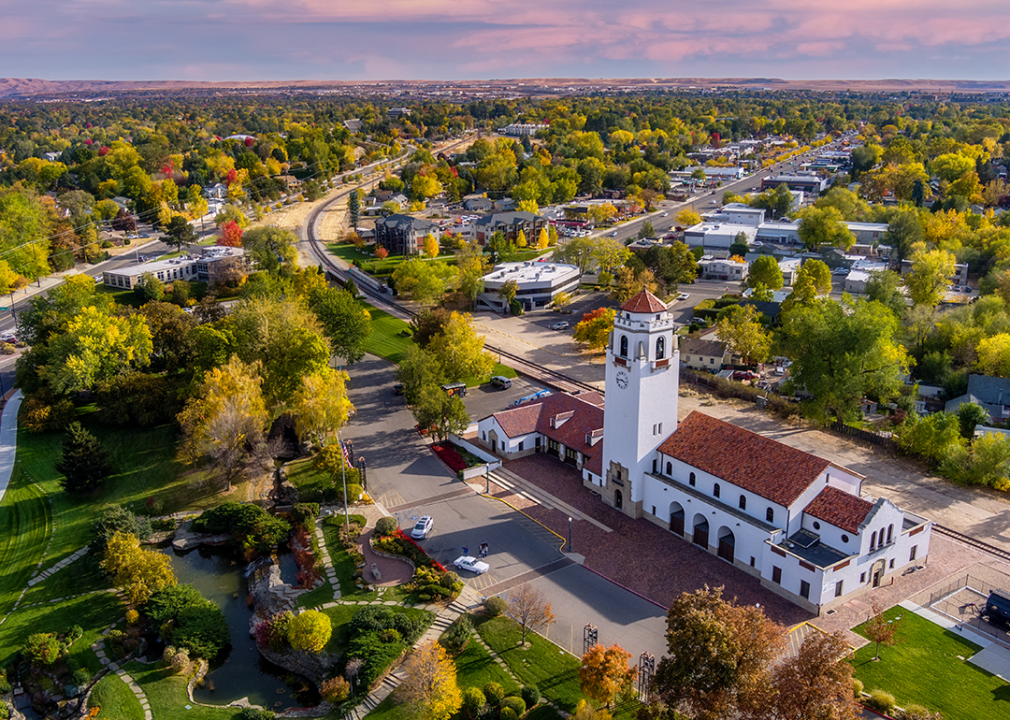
x=768, y=468
x=839, y=508
x=585, y=417
x=644, y=302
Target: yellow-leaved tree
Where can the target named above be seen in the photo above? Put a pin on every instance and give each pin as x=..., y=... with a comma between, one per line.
x=429, y=686
x=460, y=349
x=687, y=218
x=139, y=573
x=543, y=240
x=521, y=240
x=225, y=418
x=310, y=631
x=431, y=245
x=320, y=404
x=605, y=674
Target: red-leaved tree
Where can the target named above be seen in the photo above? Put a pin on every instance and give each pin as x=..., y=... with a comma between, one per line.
x=231, y=234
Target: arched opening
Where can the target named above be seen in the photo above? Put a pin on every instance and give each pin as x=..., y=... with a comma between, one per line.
x=492, y=438
x=660, y=348
x=700, y=531
x=669, y=469
x=624, y=346
x=691, y=480
x=873, y=540
x=618, y=499
x=770, y=515
x=727, y=544
x=716, y=490
x=677, y=518
x=743, y=502
x=890, y=533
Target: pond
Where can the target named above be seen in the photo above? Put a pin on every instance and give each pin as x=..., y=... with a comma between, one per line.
x=239, y=671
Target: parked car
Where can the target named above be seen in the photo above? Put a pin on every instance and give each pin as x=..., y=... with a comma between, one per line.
x=399, y=389
x=841, y=271
x=560, y=325
x=8, y=336
x=468, y=562
x=500, y=381
x=683, y=296
x=422, y=528
x=745, y=375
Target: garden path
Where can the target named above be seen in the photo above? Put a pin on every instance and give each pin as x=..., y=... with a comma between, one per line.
x=8, y=440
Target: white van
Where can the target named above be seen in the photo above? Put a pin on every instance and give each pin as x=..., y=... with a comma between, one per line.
x=500, y=381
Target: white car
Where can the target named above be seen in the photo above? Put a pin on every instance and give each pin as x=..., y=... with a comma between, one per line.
x=422, y=528
x=468, y=562
x=683, y=296
x=563, y=325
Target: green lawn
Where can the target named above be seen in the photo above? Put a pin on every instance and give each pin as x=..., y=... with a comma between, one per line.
x=115, y=699
x=145, y=464
x=390, y=336
x=92, y=612
x=82, y=576
x=475, y=667
x=25, y=524
x=167, y=695
x=343, y=564
x=544, y=664
x=923, y=668
x=310, y=481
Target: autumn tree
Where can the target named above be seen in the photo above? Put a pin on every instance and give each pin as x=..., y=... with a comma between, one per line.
x=431, y=247
x=269, y=247
x=543, y=239
x=765, y=270
x=605, y=674
x=231, y=234
x=95, y=346
x=429, y=686
x=434, y=408
x=84, y=461
x=528, y=606
x=320, y=405
x=138, y=572
x=824, y=226
x=521, y=242
x=880, y=630
x=225, y=418
x=629, y=283
x=594, y=328
x=418, y=369
x=423, y=282
x=460, y=349
x=931, y=271
x=719, y=655
x=740, y=328
x=816, y=682
x=309, y=631
x=507, y=292
x=688, y=217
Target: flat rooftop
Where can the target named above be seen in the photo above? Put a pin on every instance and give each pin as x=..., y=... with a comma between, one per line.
x=531, y=271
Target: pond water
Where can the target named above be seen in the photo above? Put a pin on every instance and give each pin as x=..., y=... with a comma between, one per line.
x=239, y=671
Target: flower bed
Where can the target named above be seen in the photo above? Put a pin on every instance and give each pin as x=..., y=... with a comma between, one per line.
x=447, y=454
x=399, y=544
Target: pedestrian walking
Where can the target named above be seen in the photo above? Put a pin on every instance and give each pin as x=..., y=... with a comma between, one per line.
x=466, y=550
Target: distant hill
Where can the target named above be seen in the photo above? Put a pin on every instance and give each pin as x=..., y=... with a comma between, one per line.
x=12, y=88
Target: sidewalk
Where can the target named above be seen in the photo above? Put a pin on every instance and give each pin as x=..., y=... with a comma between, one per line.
x=8, y=439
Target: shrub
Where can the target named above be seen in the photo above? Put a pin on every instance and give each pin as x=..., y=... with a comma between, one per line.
x=354, y=493
x=132, y=616
x=180, y=662
x=517, y=704
x=857, y=688
x=250, y=526
x=448, y=580
x=305, y=514
x=385, y=526
x=43, y=649
x=44, y=413
x=918, y=712
x=310, y=631
x=473, y=703
x=455, y=638
x=255, y=714
x=447, y=454
x=507, y=713
x=880, y=701
x=188, y=620
x=335, y=690
x=80, y=677
x=495, y=606
x=531, y=694
x=494, y=693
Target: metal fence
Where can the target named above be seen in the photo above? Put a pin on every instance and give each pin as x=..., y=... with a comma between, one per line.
x=885, y=440
x=963, y=601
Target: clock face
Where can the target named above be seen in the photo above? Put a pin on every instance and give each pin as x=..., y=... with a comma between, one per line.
x=622, y=379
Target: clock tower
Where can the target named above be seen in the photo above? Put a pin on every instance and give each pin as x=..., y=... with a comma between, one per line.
x=643, y=369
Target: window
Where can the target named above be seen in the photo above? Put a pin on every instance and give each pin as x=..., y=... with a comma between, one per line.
x=661, y=428
x=716, y=491
x=711, y=361
x=845, y=538
x=891, y=566
x=804, y=589
x=691, y=480
x=890, y=533
x=862, y=578
x=838, y=589
x=521, y=444
x=753, y=561
x=743, y=502
x=669, y=469
x=817, y=525
x=911, y=553
x=873, y=540
x=660, y=348
x=654, y=511
x=654, y=461
x=777, y=575
x=624, y=346
x=483, y=435
x=770, y=515
x=538, y=443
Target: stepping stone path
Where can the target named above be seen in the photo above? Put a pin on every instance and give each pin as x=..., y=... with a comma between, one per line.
x=324, y=556
x=99, y=648
x=49, y=572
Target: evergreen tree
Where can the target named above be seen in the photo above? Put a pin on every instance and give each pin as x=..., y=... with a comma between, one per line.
x=354, y=208
x=85, y=463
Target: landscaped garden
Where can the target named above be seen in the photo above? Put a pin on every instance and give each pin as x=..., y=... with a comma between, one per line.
x=927, y=666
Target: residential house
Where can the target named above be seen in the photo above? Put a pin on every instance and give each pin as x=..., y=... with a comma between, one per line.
x=723, y=269
x=992, y=393
x=402, y=234
x=703, y=353
x=509, y=224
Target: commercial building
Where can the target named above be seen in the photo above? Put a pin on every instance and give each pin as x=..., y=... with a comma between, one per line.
x=722, y=269
x=796, y=522
x=538, y=283
x=806, y=183
x=209, y=266
x=719, y=235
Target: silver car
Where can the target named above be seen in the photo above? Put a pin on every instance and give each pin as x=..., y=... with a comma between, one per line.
x=468, y=562
x=422, y=528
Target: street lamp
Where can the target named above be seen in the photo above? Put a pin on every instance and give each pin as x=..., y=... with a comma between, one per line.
x=569, y=534
x=343, y=479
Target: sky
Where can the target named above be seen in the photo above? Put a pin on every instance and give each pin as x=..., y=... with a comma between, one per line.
x=219, y=40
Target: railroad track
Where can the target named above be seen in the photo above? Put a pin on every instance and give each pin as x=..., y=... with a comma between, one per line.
x=972, y=542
